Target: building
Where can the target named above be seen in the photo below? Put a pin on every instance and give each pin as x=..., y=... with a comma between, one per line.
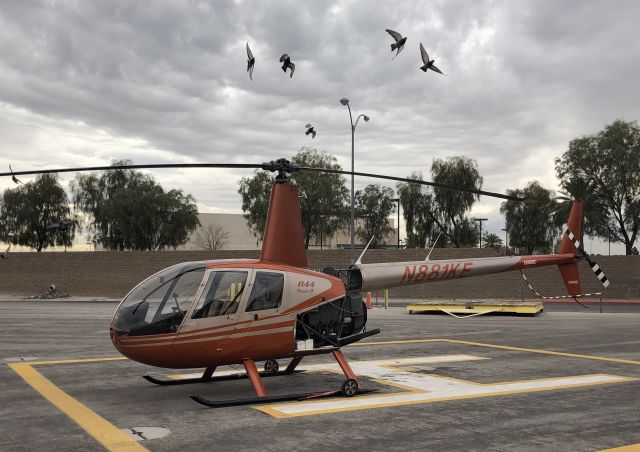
x=241, y=238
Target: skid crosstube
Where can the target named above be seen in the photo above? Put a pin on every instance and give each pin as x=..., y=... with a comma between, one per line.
x=272, y=399
x=187, y=381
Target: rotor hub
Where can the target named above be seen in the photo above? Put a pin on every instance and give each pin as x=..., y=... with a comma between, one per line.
x=284, y=168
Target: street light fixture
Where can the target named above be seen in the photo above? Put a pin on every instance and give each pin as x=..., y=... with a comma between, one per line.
x=344, y=101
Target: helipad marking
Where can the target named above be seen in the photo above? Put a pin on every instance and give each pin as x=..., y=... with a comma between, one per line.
x=108, y=427
x=333, y=367
x=426, y=388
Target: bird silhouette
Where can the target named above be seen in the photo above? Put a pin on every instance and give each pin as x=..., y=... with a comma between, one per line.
x=13, y=177
x=310, y=130
x=428, y=64
x=5, y=255
x=286, y=63
x=399, y=45
x=251, y=61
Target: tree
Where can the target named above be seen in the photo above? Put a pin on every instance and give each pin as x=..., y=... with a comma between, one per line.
x=452, y=205
x=212, y=237
x=531, y=226
x=130, y=211
x=374, y=204
x=29, y=209
x=417, y=203
x=255, y=192
x=491, y=240
x=603, y=171
x=323, y=196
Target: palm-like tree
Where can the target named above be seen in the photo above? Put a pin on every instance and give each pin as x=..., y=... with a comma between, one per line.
x=491, y=240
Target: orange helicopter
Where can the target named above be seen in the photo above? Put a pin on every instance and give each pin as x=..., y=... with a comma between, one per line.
x=239, y=311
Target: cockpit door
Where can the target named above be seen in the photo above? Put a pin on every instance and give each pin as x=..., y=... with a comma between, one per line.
x=266, y=295
x=217, y=305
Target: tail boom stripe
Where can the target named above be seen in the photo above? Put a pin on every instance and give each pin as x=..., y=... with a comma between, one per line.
x=557, y=297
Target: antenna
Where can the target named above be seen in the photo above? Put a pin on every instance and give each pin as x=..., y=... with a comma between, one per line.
x=433, y=246
x=364, y=251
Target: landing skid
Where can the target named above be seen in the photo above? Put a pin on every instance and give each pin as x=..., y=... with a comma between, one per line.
x=349, y=388
x=272, y=399
x=186, y=381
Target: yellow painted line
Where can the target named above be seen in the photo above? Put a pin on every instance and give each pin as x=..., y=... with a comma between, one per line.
x=409, y=341
x=79, y=360
x=99, y=428
x=502, y=347
x=629, y=448
x=546, y=352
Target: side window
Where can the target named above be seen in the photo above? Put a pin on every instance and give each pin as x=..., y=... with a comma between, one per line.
x=266, y=292
x=221, y=295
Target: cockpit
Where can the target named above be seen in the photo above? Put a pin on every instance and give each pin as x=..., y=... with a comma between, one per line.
x=159, y=303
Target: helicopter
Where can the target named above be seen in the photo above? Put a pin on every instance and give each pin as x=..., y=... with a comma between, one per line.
x=208, y=314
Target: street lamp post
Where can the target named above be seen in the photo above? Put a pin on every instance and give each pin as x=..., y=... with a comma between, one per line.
x=480, y=220
x=345, y=101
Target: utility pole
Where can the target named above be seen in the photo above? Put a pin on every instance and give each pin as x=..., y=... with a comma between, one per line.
x=480, y=220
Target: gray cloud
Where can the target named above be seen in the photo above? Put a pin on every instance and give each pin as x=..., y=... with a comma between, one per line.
x=165, y=81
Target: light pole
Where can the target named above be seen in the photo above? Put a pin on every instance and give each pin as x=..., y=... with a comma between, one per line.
x=345, y=101
x=398, y=225
x=321, y=223
x=480, y=220
x=505, y=241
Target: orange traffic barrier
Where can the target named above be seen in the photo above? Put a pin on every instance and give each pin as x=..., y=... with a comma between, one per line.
x=368, y=302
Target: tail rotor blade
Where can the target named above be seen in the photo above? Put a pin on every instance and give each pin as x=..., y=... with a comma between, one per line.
x=595, y=268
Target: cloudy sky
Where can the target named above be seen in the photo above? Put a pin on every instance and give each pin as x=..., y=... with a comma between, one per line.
x=86, y=83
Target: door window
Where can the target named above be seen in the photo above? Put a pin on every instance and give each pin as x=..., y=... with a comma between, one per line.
x=221, y=295
x=266, y=292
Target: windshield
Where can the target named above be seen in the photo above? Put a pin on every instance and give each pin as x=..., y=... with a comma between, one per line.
x=158, y=304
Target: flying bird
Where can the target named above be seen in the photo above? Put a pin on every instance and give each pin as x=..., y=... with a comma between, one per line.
x=428, y=64
x=250, y=62
x=5, y=255
x=286, y=63
x=13, y=177
x=399, y=45
x=310, y=130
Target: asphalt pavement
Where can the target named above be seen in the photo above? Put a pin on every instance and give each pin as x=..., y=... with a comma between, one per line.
x=566, y=379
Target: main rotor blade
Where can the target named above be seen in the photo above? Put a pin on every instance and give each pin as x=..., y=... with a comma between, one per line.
x=272, y=166
x=423, y=182
x=121, y=167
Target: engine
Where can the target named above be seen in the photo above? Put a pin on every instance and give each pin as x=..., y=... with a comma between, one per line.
x=334, y=323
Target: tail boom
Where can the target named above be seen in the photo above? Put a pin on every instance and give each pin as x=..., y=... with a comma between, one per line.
x=398, y=274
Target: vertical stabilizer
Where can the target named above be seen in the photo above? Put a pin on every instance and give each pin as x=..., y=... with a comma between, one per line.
x=283, y=235
x=570, y=272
